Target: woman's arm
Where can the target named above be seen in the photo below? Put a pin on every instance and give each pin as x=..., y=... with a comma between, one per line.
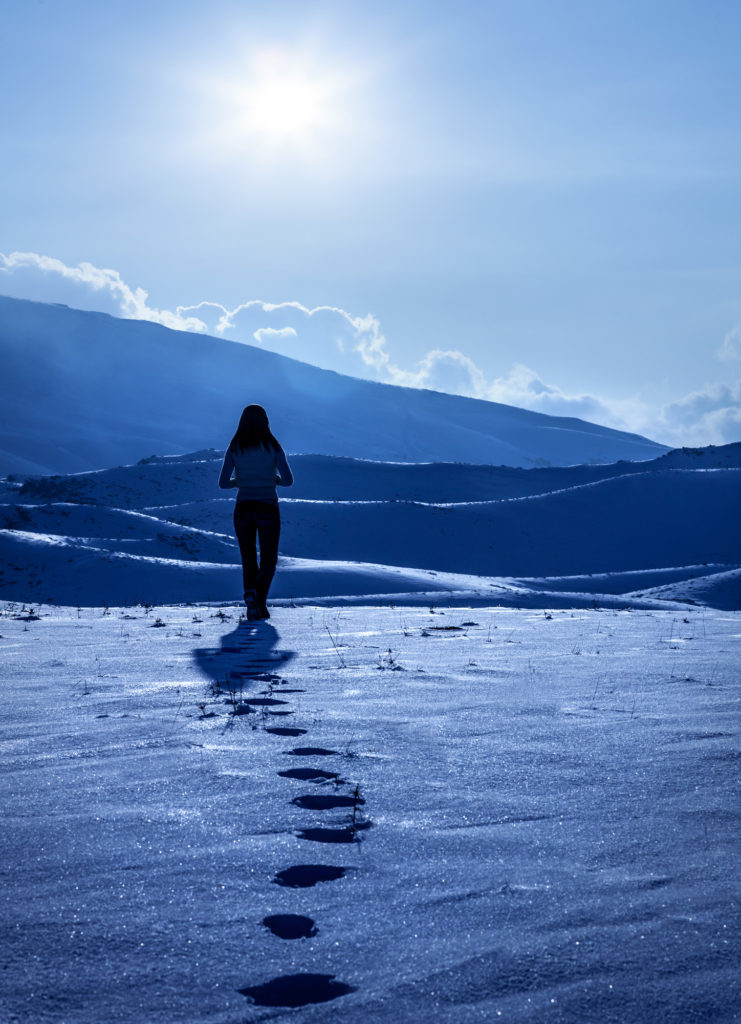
x=225, y=477
x=285, y=476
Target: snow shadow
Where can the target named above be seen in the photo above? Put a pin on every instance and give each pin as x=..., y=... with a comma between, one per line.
x=322, y=802
x=290, y=926
x=347, y=834
x=247, y=655
x=312, y=752
x=310, y=775
x=304, y=876
x=297, y=990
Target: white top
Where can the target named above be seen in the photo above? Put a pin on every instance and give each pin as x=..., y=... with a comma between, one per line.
x=257, y=472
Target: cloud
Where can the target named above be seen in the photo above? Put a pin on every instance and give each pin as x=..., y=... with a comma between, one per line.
x=50, y=280
x=265, y=335
x=454, y=372
x=326, y=336
x=524, y=387
x=332, y=338
x=440, y=370
x=711, y=415
x=731, y=347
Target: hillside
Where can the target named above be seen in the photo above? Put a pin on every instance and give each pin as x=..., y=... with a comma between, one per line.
x=161, y=531
x=84, y=390
x=180, y=479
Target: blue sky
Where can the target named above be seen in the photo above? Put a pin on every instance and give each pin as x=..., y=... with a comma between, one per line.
x=533, y=202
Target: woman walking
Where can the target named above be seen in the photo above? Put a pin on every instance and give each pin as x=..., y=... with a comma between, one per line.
x=259, y=464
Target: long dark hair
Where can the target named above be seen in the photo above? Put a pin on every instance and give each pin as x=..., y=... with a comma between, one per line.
x=254, y=431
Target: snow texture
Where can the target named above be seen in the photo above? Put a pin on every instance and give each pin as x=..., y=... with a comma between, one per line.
x=364, y=814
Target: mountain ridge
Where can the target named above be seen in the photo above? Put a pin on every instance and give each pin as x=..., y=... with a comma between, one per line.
x=84, y=390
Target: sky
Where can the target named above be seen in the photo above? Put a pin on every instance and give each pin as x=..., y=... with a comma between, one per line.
x=530, y=202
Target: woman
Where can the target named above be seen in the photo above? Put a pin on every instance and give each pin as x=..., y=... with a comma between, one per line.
x=259, y=464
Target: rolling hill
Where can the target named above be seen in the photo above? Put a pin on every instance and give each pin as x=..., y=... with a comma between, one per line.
x=161, y=531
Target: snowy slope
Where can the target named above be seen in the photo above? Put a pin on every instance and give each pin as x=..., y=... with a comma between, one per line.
x=636, y=522
x=181, y=479
x=717, y=590
x=471, y=817
x=157, y=531
x=84, y=390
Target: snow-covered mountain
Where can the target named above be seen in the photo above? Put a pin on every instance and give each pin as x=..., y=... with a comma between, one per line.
x=83, y=390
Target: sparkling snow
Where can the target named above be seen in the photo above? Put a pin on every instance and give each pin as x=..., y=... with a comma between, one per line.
x=519, y=815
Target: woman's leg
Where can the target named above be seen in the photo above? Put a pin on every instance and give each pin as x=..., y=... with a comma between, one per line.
x=268, y=530
x=245, y=528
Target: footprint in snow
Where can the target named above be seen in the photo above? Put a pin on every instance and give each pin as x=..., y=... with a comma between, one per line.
x=311, y=751
x=297, y=990
x=304, y=876
x=348, y=834
x=326, y=802
x=262, y=701
x=309, y=774
x=290, y=926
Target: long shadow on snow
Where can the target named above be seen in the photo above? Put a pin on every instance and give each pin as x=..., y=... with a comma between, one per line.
x=248, y=655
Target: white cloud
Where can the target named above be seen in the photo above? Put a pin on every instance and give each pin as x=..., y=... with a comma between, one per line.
x=439, y=370
x=324, y=335
x=50, y=280
x=524, y=387
x=731, y=347
x=265, y=335
x=331, y=337
x=711, y=415
x=714, y=413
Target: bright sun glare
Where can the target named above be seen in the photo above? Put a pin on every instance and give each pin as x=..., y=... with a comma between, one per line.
x=284, y=104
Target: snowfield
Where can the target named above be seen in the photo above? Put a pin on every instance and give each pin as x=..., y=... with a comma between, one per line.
x=395, y=814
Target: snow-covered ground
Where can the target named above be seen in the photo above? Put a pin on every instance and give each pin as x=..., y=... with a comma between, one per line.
x=469, y=814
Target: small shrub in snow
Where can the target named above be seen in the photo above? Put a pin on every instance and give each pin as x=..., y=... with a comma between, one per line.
x=388, y=661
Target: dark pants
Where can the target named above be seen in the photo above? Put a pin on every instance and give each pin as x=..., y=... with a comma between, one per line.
x=257, y=520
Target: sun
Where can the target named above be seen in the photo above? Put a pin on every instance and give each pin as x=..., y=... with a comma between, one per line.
x=283, y=103
x=282, y=106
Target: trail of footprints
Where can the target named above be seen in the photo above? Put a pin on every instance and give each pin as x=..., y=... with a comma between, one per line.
x=295, y=990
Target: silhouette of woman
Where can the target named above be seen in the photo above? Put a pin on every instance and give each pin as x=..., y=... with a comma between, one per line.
x=259, y=464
